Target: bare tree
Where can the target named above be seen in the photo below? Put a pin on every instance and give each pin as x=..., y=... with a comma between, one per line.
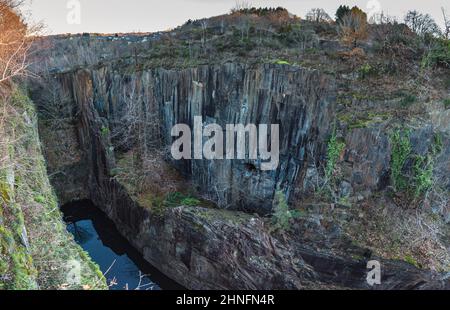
x=318, y=15
x=138, y=126
x=244, y=24
x=54, y=104
x=241, y=6
x=421, y=24
x=446, y=32
x=383, y=19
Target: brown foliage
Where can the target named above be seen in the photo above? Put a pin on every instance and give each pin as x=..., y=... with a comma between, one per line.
x=354, y=57
x=353, y=28
x=318, y=15
x=279, y=18
x=396, y=43
x=15, y=42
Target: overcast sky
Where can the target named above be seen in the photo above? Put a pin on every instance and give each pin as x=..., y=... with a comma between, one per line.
x=110, y=16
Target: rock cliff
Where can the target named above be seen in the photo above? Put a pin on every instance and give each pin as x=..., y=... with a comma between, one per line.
x=106, y=109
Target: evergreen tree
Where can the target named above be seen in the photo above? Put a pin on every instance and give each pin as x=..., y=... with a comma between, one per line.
x=341, y=12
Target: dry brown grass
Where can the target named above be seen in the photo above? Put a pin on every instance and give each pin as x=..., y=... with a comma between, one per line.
x=149, y=178
x=413, y=235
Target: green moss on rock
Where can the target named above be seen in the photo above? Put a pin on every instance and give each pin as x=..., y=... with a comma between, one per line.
x=35, y=247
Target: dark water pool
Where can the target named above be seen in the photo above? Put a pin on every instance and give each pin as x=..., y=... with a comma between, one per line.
x=122, y=265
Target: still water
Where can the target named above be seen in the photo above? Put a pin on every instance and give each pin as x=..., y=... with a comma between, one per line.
x=123, y=266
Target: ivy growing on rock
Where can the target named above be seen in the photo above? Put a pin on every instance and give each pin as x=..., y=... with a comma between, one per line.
x=334, y=150
x=282, y=215
x=420, y=178
x=401, y=150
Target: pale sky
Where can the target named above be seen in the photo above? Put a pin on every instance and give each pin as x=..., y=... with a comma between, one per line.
x=110, y=16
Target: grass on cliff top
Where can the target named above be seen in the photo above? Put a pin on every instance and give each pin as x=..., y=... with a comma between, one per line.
x=36, y=248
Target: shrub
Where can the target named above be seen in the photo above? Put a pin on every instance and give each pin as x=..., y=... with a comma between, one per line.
x=412, y=261
x=420, y=179
x=423, y=174
x=447, y=82
x=447, y=103
x=397, y=43
x=190, y=202
x=282, y=215
x=104, y=131
x=408, y=100
x=176, y=199
x=334, y=150
x=157, y=205
x=439, y=54
x=342, y=11
x=424, y=167
x=400, y=152
x=40, y=199
x=366, y=70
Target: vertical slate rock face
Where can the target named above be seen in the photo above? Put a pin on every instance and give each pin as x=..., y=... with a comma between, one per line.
x=301, y=101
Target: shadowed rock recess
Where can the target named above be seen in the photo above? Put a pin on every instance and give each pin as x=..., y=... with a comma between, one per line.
x=105, y=125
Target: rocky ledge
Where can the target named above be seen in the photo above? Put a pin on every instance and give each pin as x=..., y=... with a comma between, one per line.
x=204, y=248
